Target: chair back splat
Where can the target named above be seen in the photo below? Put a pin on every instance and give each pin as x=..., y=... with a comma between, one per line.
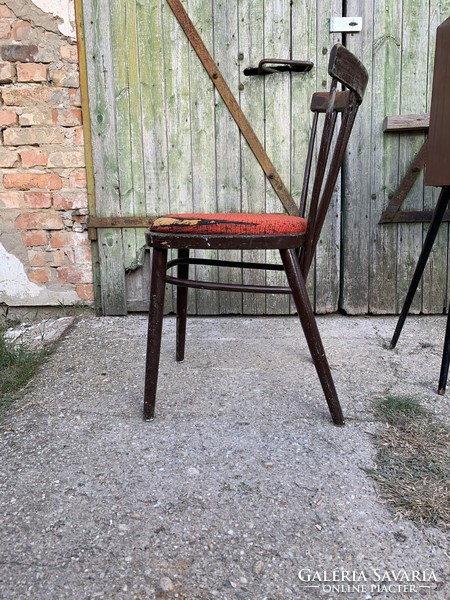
x=346, y=69
x=294, y=236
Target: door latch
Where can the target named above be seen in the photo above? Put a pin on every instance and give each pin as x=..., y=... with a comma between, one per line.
x=279, y=65
x=345, y=24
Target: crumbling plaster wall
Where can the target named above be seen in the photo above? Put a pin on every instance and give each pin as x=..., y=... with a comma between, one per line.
x=45, y=254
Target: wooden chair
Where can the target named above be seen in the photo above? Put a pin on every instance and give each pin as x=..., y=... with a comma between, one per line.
x=293, y=235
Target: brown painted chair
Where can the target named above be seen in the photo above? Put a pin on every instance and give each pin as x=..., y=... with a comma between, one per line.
x=293, y=235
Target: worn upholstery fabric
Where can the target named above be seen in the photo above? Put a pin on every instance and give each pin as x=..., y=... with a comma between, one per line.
x=229, y=224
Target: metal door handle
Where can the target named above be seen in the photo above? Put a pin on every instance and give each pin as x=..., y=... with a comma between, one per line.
x=283, y=65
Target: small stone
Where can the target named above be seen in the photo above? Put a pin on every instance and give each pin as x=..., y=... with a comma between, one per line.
x=258, y=567
x=166, y=584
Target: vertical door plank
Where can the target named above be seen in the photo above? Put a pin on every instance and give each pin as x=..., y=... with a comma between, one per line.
x=328, y=258
x=304, y=47
x=412, y=100
x=203, y=145
x=178, y=120
x=228, y=166
x=356, y=197
x=251, y=97
x=154, y=120
x=277, y=94
x=385, y=84
x=101, y=81
x=134, y=204
x=129, y=131
x=122, y=63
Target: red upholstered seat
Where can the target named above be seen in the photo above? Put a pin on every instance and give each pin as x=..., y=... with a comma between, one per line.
x=229, y=224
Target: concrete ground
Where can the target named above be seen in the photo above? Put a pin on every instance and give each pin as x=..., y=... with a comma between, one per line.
x=239, y=485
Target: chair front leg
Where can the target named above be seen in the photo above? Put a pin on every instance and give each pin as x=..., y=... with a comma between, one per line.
x=182, y=299
x=311, y=331
x=155, y=322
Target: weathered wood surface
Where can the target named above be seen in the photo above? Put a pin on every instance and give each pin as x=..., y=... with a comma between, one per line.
x=99, y=38
x=406, y=123
x=397, y=48
x=355, y=248
x=164, y=141
x=170, y=143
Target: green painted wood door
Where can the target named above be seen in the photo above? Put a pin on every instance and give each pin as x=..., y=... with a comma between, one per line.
x=163, y=140
x=397, y=45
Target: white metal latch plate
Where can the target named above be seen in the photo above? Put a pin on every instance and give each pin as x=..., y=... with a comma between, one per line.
x=345, y=24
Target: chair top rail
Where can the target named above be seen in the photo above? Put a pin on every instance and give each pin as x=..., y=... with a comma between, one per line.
x=349, y=70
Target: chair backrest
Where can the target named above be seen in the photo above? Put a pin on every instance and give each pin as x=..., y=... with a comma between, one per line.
x=345, y=69
x=437, y=170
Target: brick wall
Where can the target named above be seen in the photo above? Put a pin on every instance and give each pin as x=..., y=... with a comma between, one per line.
x=43, y=197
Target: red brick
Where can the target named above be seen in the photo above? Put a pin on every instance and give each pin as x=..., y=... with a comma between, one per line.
x=85, y=291
x=6, y=72
x=39, y=275
x=11, y=199
x=70, y=201
x=22, y=53
x=64, y=159
x=5, y=30
x=40, y=115
x=21, y=30
x=39, y=220
x=66, y=77
x=69, y=52
x=38, y=199
x=8, y=158
x=28, y=181
x=83, y=255
x=7, y=117
x=31, y=72
x=67, y=118
x=30, y=96
x=77, y=179
x=62, y=202
x=38, y=258
x=56, y=258
x=75, y=97
x=79, y=136
x=33, y=158
x=6, y=13
x=69, y=275
x=34, y=238
x=62, y=239
x=29, y=136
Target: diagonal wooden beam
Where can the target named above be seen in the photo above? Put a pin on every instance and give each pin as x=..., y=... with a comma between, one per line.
x=392, y=213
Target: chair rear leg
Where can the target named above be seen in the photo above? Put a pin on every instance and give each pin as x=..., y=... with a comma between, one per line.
x=182, y=299
x=308, y=321
x=155, y=322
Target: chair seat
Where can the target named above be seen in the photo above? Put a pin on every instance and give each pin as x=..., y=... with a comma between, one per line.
x=229, y=224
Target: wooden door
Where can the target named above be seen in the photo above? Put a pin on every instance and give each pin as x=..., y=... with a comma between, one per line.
x=163, y=140
x=397, y=45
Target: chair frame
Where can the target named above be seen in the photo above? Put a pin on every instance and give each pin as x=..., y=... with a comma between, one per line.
x=296, y=250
